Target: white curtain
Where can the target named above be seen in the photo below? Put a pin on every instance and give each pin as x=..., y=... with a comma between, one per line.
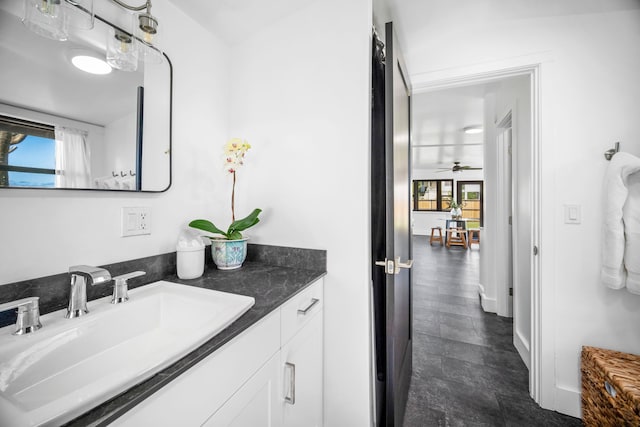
x=73, y=169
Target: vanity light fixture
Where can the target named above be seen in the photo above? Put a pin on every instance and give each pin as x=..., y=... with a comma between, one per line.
x=472, y=130
x=147, y=25
x=124, y=49
x=52, y=18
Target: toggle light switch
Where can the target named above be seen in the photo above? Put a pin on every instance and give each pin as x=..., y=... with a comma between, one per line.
x=572, y=214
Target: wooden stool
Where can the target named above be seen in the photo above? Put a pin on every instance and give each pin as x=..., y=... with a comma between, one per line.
x=435, y=238
x=474, y=236
x=457, y=237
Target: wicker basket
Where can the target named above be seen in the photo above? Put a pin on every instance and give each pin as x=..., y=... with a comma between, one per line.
x=610, y=388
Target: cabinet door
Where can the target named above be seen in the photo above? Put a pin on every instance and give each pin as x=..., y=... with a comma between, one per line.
x=256, y=404
x=302, y=390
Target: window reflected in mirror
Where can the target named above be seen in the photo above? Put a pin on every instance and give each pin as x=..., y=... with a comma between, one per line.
x=27, y=154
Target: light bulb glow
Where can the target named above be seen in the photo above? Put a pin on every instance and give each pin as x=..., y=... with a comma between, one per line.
x=91, y=64
x=472, y=130
x=48, y=7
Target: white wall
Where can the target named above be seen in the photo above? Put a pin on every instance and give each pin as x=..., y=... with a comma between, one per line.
x=301, y=98
x=589, y=95
x=119, y=149
x=44, y=232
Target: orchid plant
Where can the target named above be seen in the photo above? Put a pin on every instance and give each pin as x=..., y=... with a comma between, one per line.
x=235, y=150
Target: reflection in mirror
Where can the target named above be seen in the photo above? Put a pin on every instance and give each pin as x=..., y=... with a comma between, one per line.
x=62, y=127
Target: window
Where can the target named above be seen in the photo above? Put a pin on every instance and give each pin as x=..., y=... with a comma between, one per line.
x=27, y=153
x=432, y=195
x=471, y=198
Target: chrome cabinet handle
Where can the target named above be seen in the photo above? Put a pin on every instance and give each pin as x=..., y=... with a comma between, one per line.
x=290, y=397
x=304, y=312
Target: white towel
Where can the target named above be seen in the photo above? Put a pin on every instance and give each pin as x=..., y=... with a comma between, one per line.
x=128, y=183
x=621, y=225
x=631, y=216
x=107, y=183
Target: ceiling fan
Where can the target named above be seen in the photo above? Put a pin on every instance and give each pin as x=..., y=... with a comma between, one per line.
x=458, y=168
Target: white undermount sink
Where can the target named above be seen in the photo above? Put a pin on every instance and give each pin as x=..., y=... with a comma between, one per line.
x=71, y=365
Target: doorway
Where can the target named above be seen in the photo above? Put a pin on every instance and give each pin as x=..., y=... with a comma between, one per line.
x=507, y=257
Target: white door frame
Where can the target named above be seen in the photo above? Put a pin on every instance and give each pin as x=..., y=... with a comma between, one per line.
x=542, y=367
x=506, y=247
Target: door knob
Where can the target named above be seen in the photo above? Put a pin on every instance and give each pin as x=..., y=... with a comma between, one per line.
x=406, y=265
x=393, y=267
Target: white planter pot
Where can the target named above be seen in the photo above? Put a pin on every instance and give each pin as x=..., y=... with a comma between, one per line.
x=229, y=254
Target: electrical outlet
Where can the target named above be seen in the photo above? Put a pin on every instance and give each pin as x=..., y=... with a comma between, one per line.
x=136, y=221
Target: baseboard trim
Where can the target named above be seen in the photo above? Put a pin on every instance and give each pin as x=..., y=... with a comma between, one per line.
x=523, y=349
x=568, y=402
x=489, y=305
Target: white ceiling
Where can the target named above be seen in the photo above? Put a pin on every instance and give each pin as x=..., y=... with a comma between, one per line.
x=419, y=22
x=438, y=122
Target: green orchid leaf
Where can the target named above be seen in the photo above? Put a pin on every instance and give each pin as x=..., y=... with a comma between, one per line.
x=204, y=225
x=244, y=223
x=234, y=236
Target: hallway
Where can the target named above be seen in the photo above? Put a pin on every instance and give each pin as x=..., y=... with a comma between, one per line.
x=466, y=371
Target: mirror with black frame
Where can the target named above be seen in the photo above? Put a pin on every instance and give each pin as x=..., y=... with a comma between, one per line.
x=65, y=128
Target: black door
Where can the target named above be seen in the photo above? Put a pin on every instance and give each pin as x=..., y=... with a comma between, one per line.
x=391, y=234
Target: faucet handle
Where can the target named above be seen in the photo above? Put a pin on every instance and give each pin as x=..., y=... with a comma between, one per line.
x=28, y=319
x=120, y=287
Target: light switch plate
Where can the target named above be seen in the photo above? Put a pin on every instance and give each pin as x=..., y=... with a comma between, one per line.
x=572, y=214
x=136, y=221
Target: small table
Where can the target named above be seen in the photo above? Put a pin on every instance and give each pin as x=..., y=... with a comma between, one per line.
x=462, y=222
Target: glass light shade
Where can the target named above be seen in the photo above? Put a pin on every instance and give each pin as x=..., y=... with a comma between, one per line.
x=146, y=29
x=149, y=54
x=79, y=13
x=122, y=50
x=46, y=18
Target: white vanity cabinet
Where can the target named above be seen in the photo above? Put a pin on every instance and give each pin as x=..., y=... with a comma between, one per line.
x=301, y=359
x=256, y=404
x=270, y=375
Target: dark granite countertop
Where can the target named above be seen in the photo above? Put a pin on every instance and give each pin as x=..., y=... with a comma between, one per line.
x=270, y=285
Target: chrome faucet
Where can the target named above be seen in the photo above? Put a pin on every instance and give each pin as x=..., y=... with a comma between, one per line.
x=80, y=275
x=28, y=319
x=121, y=288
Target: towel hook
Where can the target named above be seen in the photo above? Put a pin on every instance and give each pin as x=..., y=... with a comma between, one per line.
x=609, y=153
x=114, y=174
x=131, y=173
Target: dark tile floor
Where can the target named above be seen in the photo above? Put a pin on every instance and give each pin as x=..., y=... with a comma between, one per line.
x=466, y=371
